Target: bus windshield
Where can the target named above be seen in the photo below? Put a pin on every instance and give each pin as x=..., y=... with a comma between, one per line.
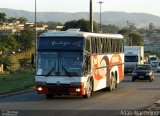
x=59, y=63
x=131, y=58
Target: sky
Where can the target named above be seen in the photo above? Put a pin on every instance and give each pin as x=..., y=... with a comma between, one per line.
x=130, y=6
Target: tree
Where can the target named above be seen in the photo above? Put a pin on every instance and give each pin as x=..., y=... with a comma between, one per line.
x=22, y=19
x=2, y=17
x=25, y=39
x=110, y=28
x=8, y=43
x=136, y=39
x=125, y=32
x=82, y=24
x=52, y=24
x=132, y=38
x=12, y=20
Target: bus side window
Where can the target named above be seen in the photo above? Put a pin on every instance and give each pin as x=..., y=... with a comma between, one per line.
x=86, y=65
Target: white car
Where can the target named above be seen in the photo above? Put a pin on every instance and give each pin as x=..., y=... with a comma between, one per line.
x=158, y=67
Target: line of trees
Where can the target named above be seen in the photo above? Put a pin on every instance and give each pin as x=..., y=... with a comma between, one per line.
x=131, y=37
x=11, y=19
x=19, y=41
x=24, y=40
x=26, y=35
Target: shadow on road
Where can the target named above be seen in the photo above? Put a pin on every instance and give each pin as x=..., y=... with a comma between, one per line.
x=33, y=97
x=149, y=89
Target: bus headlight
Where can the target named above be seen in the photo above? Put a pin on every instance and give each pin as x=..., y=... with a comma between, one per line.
x=39, y=88
x=78, y=89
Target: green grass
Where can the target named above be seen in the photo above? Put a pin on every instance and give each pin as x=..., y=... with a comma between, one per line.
x=15, y=82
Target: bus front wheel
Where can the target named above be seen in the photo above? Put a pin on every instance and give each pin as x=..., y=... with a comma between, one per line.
x=49, y=96
x=89, y=89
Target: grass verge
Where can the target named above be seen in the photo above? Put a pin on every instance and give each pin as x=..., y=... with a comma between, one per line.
x=16, y=82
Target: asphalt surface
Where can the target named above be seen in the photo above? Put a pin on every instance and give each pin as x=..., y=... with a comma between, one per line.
x=127, y=100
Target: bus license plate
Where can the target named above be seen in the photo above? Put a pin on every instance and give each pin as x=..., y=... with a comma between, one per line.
x=141, y=76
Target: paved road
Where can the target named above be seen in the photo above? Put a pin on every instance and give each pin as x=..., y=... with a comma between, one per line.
x=128, y=96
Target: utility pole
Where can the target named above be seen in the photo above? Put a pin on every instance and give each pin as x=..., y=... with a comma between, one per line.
x=91, y=16
x=35, y=62
x=100, y=3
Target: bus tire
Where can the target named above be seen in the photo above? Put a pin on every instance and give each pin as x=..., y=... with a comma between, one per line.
x=151, y=78
x=113, y=84
x=49, y=96
x=89, y=89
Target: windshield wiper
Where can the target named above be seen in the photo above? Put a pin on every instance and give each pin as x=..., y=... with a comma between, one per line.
x=52, y=69
x=66, y=71
x=48, y=74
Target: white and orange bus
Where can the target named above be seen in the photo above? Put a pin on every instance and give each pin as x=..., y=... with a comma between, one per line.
x=78, y=63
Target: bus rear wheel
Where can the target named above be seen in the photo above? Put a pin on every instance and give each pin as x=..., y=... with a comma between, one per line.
x=49, y=96
x=89, y=89
x=113, y=84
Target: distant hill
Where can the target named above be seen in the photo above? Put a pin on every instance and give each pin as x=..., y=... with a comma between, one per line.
x=117, y=18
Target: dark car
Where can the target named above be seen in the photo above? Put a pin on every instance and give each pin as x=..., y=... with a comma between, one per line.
x=143, y=72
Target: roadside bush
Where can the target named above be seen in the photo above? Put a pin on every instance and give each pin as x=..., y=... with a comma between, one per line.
x=20, y=61
x=6, y=62
x=15, y=63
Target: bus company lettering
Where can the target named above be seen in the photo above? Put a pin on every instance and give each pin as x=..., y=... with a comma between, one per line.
x=63, y=43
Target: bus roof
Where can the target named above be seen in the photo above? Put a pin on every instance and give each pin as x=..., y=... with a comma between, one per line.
x=79, y=34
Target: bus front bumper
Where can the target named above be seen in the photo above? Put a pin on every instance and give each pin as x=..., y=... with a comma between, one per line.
x=61, y=89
